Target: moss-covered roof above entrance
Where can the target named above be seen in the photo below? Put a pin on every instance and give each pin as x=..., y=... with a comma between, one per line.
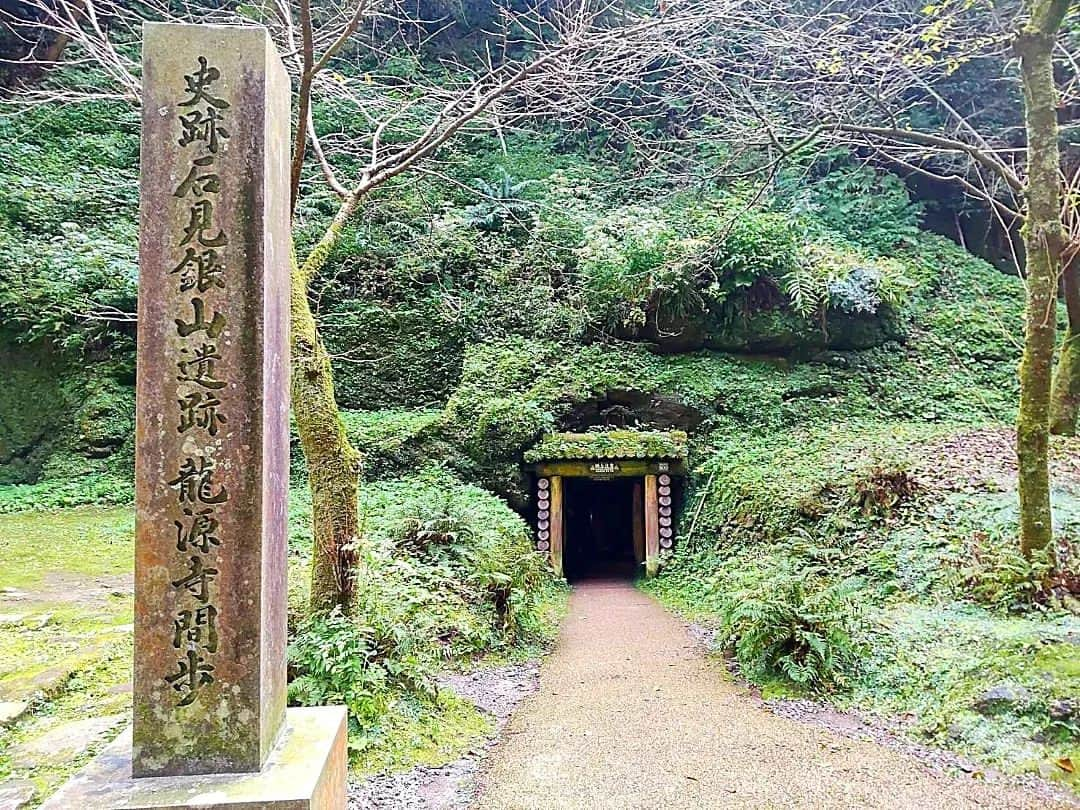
x=667, y=444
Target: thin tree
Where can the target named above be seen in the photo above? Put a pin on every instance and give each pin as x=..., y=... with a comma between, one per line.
x=1065, y=394
x=1043, y=243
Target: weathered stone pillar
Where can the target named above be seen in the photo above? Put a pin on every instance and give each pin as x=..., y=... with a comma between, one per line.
x=652, y=528
x=211, y=463
x=557, y=524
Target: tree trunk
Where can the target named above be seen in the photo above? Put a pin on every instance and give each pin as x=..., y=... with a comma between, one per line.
x=1042, y=241
x=1065, y=395
x=333, y=464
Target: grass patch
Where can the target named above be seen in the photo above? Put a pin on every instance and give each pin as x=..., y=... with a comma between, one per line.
x=938, y=665
x=419, y=732
x=87, y=541
x=855, y=566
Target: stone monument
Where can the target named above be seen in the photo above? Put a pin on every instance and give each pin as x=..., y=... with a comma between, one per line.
x=210, y=724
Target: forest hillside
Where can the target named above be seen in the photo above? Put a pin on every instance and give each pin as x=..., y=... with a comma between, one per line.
x=839, y=344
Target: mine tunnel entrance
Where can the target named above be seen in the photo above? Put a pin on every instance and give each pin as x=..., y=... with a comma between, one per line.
x=607, y=501
x=600, y=537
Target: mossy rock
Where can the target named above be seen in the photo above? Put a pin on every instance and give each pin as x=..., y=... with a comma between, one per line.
x=773, y=331
x=862, y=331
x=105, y=418
x=31, y=409
x=780, y=331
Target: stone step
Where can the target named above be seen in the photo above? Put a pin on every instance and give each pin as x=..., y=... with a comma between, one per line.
x=61, y=743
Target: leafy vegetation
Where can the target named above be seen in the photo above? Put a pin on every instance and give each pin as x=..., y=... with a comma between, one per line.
x=836, y=567
x=449, y=577
x=452, y=582
x=788, y=623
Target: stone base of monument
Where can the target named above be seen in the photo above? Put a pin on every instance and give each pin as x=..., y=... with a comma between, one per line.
x=305, y=771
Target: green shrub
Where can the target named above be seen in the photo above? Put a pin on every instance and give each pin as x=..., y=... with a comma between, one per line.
x=393, y=443
x=842, y=279
x=66, y=248
x=793, y=624
x=669, y=264
x=620, y=264
x=505, y=425
x=866, y=206
x=502, y=205
x=97, y=488
x=461, y=557
x=356, y=662
x=748, y=256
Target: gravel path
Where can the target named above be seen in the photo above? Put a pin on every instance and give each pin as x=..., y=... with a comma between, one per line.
x=631, y=714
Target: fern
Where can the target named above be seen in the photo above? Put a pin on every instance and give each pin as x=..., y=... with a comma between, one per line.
x=502, y=206
x=807, y=288
x=793, y=624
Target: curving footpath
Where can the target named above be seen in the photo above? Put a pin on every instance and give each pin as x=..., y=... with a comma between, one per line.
x=630, y=714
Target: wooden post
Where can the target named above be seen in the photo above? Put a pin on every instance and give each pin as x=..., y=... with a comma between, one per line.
x=652, y=528
x=557, y=524
x=639, y=523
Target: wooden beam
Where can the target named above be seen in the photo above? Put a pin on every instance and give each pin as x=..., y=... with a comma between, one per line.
x=639, y=523
x=557, y=524
x=603, y=469
x=652, y=528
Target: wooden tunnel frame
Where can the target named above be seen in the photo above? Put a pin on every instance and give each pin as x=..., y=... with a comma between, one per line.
x=652, y=497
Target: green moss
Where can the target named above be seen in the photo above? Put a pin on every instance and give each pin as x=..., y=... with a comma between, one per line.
x=610, y=444
x=94, y=690
x=412, y=734
x=70, y=615
x=62, y=422
x=71, y=654
x=30, y=409
x=397, y=442
x=1061, y=662
x=394, y=354
x=936, y=663
x=85, y=542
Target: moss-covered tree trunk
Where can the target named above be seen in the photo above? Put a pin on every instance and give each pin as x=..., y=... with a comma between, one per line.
x=333, y=464
x=1065, y=397
x=1042, y=241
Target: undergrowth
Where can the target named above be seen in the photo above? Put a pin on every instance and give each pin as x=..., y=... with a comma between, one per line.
x=813, y=345
x=447, y=578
